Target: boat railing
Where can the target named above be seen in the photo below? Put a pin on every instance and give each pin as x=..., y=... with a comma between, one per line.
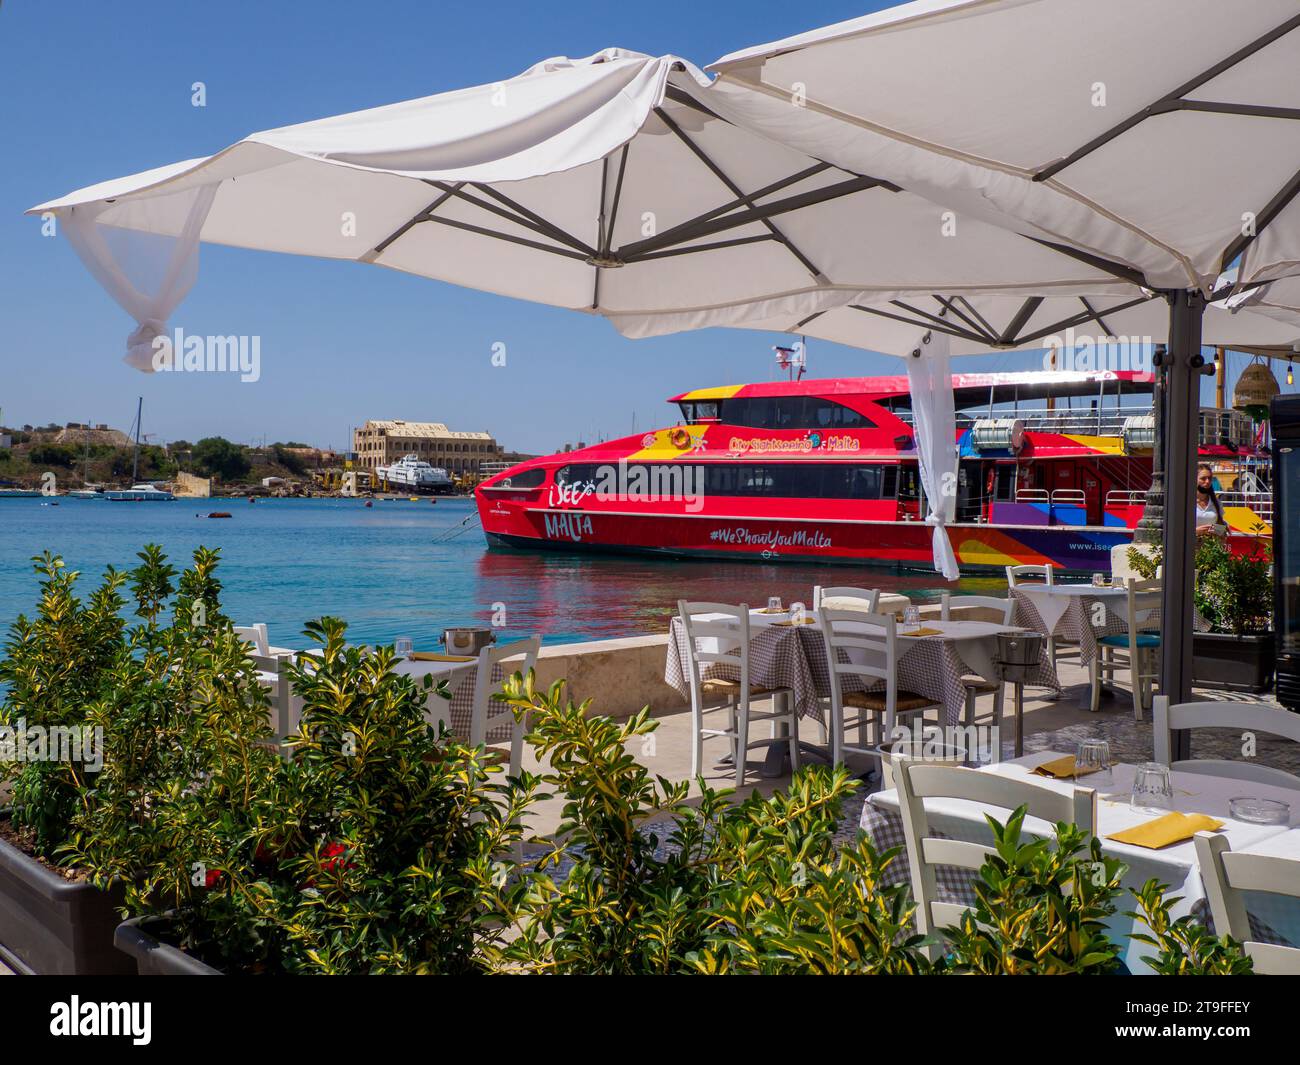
x=1069, y=497
x=1032, y=495
x=1261, y=505
x=1125, y=498
x=1232, y=428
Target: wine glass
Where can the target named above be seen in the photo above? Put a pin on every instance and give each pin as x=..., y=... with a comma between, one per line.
x=797, y=613
x=1153, y=791
x=912, y=616
x=402, y=646
x=774, y=604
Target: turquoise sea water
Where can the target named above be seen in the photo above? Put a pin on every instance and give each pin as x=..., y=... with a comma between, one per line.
x=285, y=561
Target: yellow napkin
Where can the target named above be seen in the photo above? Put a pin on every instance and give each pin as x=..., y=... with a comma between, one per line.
x=438, y=656
x=922, y=632
x=1172, y=828
x=769, y=610
x=806, y=621
x=1064, y=769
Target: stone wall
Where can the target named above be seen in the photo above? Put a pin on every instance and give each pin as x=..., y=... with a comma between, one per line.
x=192, y=487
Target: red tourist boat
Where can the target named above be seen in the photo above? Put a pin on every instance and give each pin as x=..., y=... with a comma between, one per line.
x=1054, y=469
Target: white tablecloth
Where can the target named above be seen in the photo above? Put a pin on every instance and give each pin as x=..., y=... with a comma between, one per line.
x=1175, y=865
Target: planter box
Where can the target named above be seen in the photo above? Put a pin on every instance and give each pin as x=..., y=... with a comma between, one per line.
x=1233, y=663
x=50, y=926
x=150, y=956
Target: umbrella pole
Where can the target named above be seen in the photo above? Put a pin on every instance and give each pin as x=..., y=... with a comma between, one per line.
x=1181, y=407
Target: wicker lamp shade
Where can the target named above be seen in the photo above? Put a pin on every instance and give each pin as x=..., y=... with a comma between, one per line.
x=1255, y=388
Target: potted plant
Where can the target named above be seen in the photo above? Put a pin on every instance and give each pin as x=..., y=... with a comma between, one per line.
x=1234, y=596
x=1234, y=593
x=53, y=920
x=375, y=846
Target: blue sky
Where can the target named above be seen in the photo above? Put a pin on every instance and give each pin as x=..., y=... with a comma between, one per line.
x=91, y=90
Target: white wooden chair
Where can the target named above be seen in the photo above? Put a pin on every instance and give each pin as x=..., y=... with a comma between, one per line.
x=728, y=634
x=286, y=707
x=873, y=638
x=977, y=686
x=869, y=597
x=487, y=715
x=1136, y=651
x=917, y=781
x=1226, y=876
x=1241, y=717
x=256, y=636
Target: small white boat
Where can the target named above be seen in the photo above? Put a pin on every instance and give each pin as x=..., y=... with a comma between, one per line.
x=19, y=493
x=85, y=493
x=139, y=493
x=412, y=472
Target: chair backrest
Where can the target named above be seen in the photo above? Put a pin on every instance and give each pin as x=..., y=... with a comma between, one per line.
x=917, y=781
x=1241, y=717
x=255, y=635
x=1029, y=575
x=286, y=707
x=1006, y=607
x=1144, y=598
x=1226, y=876
x=871, y=639
x=727, y=635
x=486, y=715
x=847, y=598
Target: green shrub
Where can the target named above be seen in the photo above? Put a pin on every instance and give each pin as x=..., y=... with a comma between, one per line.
x=1040, y=907
x=1185, y=947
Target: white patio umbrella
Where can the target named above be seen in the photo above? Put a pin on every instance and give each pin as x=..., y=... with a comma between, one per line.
x=1160, y=140
x=603, y=184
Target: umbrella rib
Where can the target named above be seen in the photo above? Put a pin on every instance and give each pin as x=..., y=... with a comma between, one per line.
x=940, y=320
x=975, y=320
x=716, y=245
x=529, y=219
x=613, y=211
x=978, y=317
x=804, y=321
x=1124, y=273
x=1099, y=319
x=1079, y=319
x=693, y=229
x=1271, y=210
x=1251, y=110
x=524, y=241
x=940, y=324
x=1021, y=317
x=379, y=249
x=717, y=172
x=1169, y=100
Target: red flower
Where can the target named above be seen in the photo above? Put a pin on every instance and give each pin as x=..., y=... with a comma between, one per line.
x=212, y=878
x=332, y=853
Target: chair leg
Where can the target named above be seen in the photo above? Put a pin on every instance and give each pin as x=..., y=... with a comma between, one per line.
x=697, y=741
x=1136, y=667
x=742, y=740
x=1051, y=650
x=837, y=735
x=1094, y=683
x=788, y=699
x=970, y=706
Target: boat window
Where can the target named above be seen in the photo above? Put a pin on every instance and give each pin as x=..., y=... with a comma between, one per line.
x=792, y=412
x=700, y=411
x=801, y=480
x=523, y=479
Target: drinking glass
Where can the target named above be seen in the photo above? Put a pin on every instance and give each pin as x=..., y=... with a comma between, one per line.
x=1098, y=580
x=1152, y=789
x=402, y=646
x=912, y=617
x=774, y=604
x=1094, y=754
x=797, y=613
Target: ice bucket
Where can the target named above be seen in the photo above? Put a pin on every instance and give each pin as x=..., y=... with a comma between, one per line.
x=1018, y=654
x=466, y=641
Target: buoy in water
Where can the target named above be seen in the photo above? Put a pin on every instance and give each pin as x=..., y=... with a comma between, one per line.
x=252, y=499
x=369, y=503
x=220, y=514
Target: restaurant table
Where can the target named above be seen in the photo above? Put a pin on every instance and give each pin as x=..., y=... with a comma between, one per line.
x=1275, y=920
x=1077, y=612
x=794, y=657
x=456, y=713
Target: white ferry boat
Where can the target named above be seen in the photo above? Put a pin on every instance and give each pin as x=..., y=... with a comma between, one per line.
x=139, y=493
x=412, y=473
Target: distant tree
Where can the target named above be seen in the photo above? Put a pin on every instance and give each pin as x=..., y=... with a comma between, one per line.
x=180, y=445
x=286, y=458
x=291, y=443
x=218, y=457
x=52, y=455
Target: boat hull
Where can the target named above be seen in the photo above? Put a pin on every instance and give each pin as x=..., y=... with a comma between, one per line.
x=897, y=544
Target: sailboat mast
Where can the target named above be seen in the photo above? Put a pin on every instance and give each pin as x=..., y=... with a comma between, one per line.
x=135, y=462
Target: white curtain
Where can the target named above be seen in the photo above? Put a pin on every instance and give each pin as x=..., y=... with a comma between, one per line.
x=934, y=429
x=148, y=268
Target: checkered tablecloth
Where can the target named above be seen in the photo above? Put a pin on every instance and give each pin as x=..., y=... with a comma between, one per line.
x=955, y=885
x=1076, y=622
x=794, y=657
x=776, y=660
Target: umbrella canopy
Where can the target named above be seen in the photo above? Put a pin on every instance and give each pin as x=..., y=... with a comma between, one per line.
x=605, y=184
x=1163, y=137
x=1159, y=140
